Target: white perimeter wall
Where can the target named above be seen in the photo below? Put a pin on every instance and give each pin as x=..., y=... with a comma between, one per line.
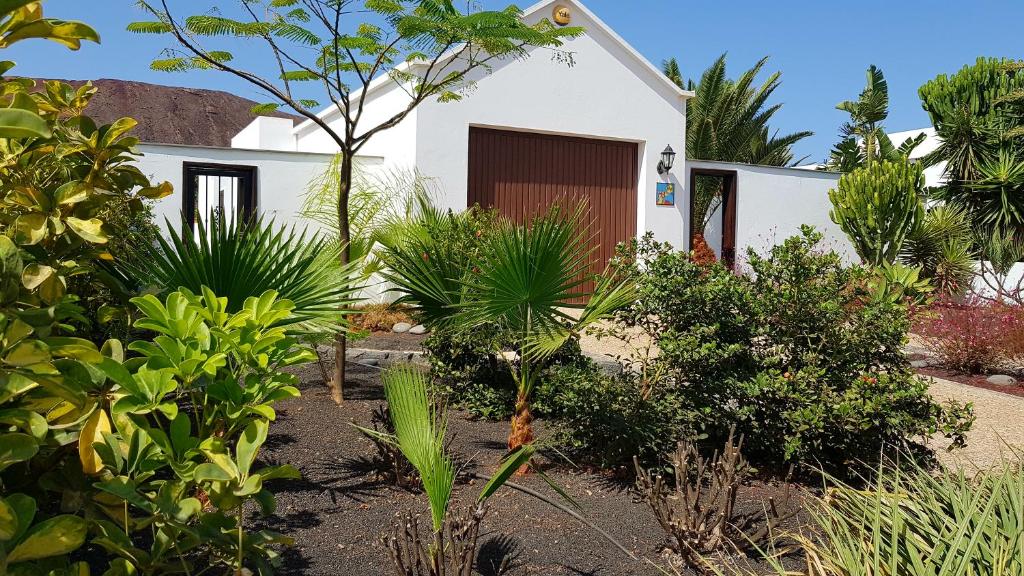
x=772, y=203
x=283, y=177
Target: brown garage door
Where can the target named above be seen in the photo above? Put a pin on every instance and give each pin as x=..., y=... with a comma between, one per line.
x=522, y=174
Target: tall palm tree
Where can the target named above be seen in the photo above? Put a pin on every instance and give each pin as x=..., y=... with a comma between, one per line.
x=728, y=120
x=864, y=139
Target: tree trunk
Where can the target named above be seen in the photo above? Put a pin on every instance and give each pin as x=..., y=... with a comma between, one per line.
x=340, y=341
x=522, y=428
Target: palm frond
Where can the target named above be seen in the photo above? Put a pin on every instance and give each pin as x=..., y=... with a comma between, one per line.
x=419, y=431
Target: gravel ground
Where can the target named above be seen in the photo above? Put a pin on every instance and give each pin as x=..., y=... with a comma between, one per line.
x=339, y=510
x=997, y=431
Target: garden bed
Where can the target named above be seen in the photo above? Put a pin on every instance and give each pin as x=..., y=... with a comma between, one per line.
x=339, y=509
x=976, y=380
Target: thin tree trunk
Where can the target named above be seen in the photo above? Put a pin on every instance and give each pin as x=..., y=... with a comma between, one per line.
x=340, y=341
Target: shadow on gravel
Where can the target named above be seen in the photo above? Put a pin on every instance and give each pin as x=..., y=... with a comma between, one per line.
x=498, y=556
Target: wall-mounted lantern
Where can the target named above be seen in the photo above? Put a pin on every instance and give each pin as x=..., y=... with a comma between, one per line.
x=668, y=158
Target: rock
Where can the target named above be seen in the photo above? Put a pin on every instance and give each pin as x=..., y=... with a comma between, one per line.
x=418, y=329
x=370, y=362
x=401, y=328
x=924, y=363
x=1001, y=380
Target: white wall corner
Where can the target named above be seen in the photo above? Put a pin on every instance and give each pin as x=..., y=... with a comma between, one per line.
x=266, y=133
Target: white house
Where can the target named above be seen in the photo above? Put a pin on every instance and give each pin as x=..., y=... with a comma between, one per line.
x=529, y=132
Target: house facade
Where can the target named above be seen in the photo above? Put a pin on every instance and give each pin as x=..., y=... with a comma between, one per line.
x=528, y=133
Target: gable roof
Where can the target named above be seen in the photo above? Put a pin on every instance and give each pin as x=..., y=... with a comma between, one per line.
x=169, y=114
x=644, y=66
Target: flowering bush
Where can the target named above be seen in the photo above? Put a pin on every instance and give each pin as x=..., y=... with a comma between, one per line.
x=974, y=336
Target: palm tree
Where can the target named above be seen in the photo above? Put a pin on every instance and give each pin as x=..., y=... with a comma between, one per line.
x=728, y=120
x=864, y=140
x=527, y=282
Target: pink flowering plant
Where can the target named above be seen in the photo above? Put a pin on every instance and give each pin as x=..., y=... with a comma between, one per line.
x=974, y=336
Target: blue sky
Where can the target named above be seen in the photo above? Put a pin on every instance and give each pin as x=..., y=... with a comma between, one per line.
x=821, y=47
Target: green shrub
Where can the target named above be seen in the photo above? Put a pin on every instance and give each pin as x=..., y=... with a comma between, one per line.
x=607, y=419
x=799, y=355
x=467, y=371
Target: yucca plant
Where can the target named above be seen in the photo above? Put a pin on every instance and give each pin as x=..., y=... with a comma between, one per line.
x=943, y=247
x=238, y=259
x=528, y=281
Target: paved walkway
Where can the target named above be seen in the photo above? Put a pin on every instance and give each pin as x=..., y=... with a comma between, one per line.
x=997, y=431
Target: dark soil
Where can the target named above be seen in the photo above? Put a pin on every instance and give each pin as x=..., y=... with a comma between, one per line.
x=339, y=510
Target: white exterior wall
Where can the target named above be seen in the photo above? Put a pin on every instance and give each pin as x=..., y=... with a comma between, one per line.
x=771, y=205
x=283, y=177
x=266, y=133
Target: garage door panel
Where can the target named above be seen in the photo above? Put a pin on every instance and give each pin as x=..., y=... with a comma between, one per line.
x=522, y=174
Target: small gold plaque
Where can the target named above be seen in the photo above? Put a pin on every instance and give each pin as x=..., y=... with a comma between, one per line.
x=562, y=15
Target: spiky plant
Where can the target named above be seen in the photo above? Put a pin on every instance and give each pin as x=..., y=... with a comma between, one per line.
x=238, y=259
x=420, y=425
x=943, y=247
x=528, y=281
x=878, y=206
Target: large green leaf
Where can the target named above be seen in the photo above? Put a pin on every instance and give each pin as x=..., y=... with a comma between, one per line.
x=15, y=123
x=16, y=447
x=53, y=537
x=253, y=437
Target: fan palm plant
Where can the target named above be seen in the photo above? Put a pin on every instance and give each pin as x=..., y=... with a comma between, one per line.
x=239, y=259
x=528, y=281
x=420, y=425
x=943, y=247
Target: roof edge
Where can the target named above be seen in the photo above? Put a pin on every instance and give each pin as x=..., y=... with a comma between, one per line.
x=646, y=64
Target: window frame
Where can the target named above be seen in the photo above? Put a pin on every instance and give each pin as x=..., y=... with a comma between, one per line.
x=248, y=183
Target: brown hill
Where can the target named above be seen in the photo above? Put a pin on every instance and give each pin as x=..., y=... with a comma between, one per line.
x=172, y=115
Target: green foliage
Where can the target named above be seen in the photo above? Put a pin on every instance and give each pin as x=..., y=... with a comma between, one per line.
x=466, y=369
x=226, y=367
x=864, y=139
x=899, y=283
x=878, y=206
x=239, y=259
x=976, y=113
x=728, y=119
x=54, y=192
x=23, y=20
x=943, y=247
x=912, y=522
x=610, y=419
x=799, y=356
x=522, y=283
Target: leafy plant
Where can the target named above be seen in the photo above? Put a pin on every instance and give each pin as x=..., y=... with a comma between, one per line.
x=973, y=336
x=943, y=247
x=878, y=207
x=23, y=20
x=420, y=427
x=1000, y=253
x=238, y=259
x=899, y=283
x=977, y=119
x=800, y=356
x=864, y=139
x=526, y=279
x=225, y=369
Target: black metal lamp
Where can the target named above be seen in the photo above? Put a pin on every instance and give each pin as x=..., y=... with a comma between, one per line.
x=668, y=158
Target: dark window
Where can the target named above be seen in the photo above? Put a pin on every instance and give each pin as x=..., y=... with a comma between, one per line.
x=224, y=190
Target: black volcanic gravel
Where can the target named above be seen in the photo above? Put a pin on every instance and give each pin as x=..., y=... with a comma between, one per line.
x=339, y=509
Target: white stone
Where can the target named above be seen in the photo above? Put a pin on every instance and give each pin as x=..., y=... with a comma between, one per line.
x=401, y=328
x=1001, y=380
x=418, y=329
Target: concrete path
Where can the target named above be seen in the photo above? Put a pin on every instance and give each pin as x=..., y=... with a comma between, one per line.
x=997, y=431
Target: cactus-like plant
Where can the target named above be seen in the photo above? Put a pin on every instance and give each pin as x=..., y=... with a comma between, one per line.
x=877, y=207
